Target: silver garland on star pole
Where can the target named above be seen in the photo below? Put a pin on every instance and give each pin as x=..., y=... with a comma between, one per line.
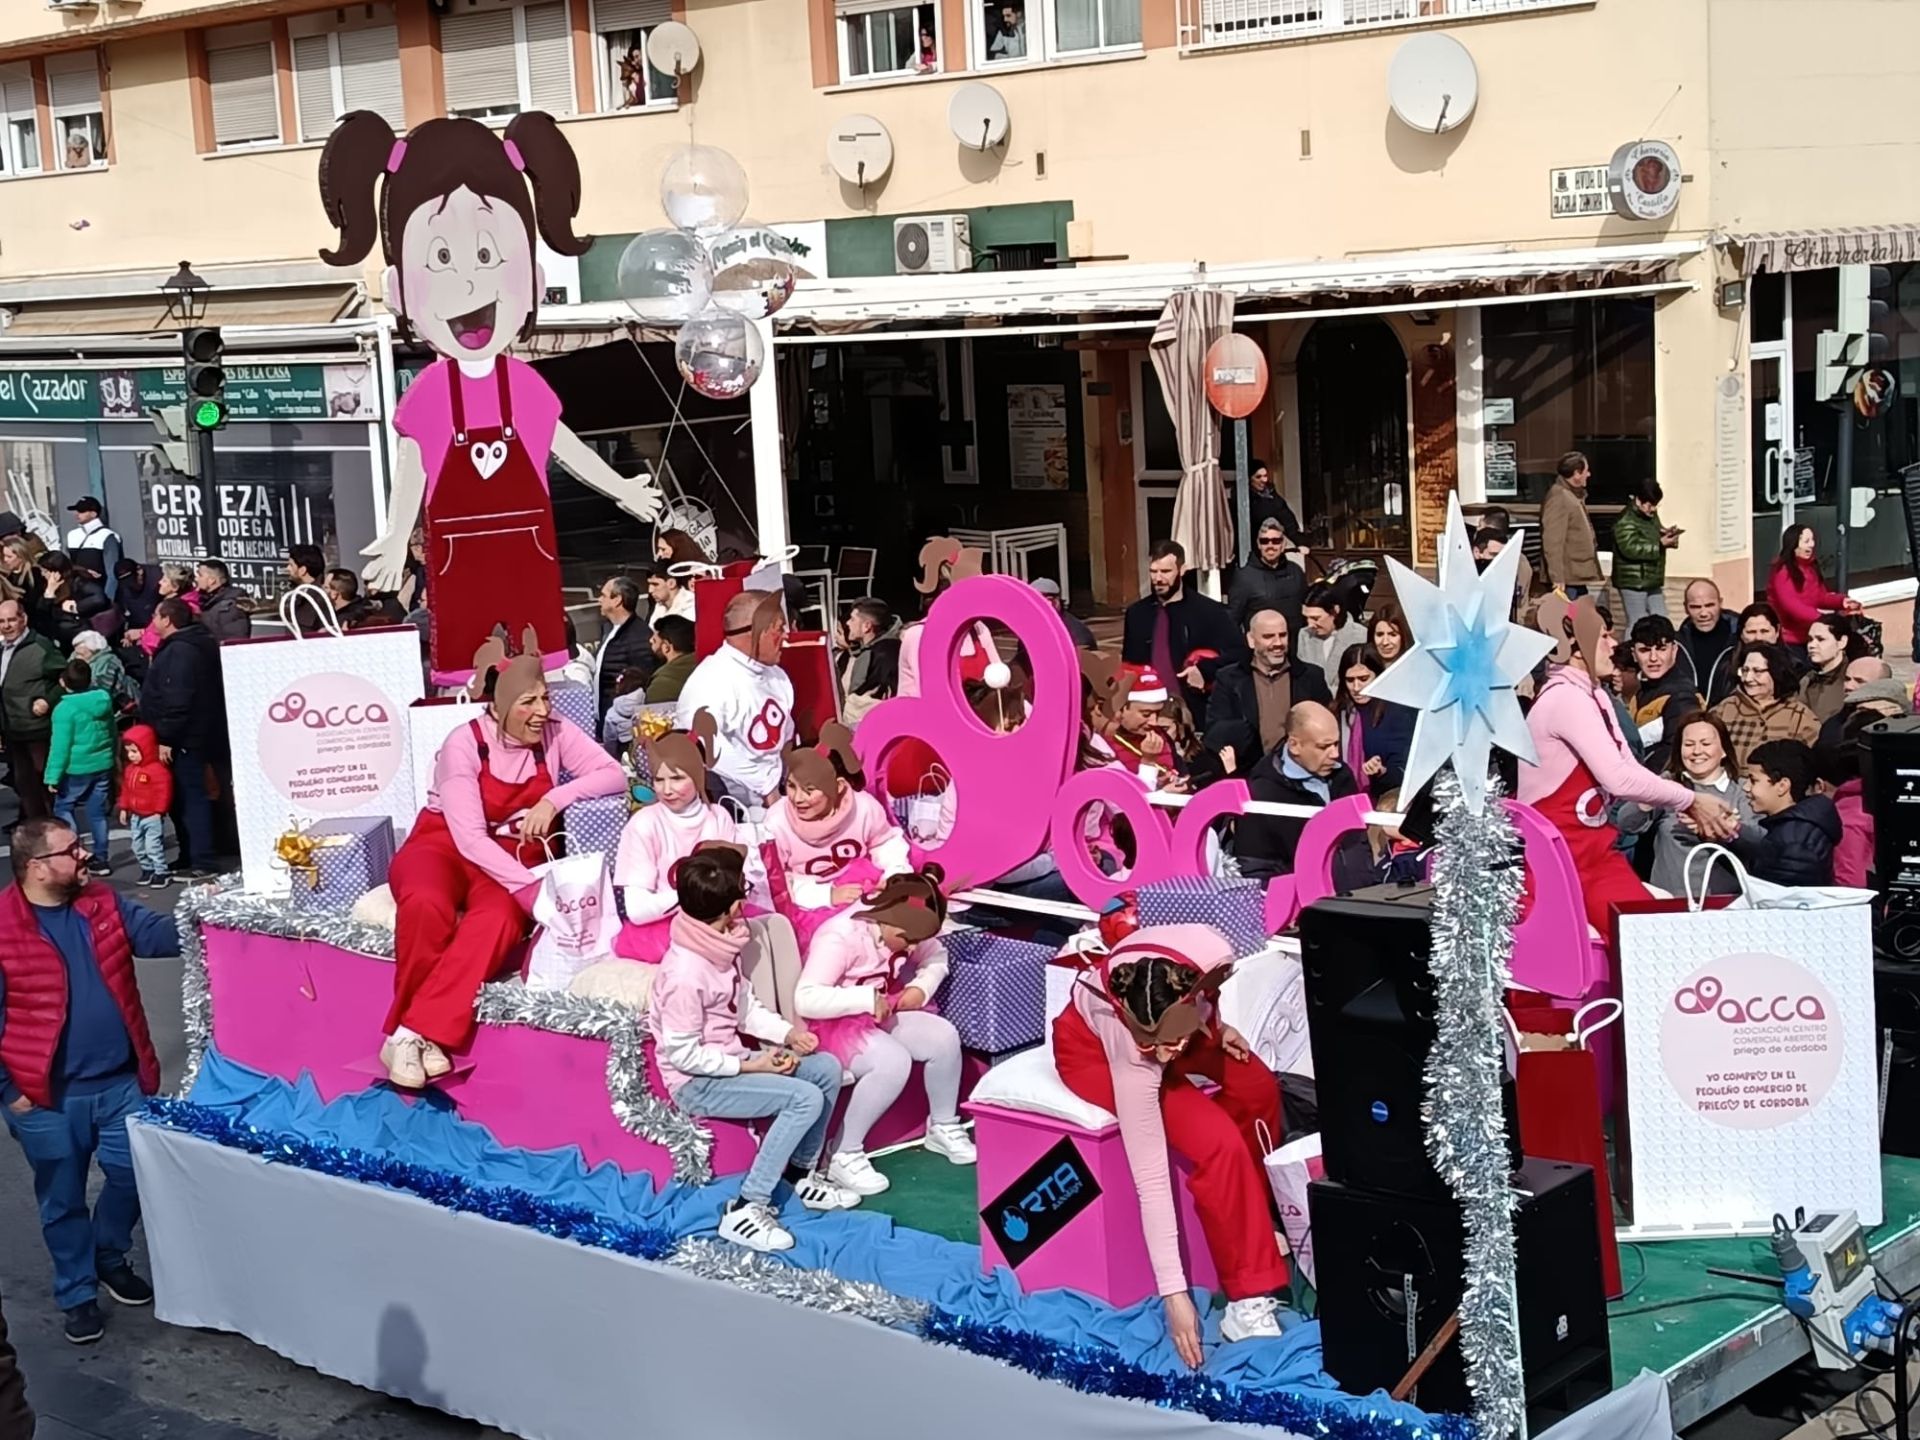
x=1477, y=878
x=639, y=1111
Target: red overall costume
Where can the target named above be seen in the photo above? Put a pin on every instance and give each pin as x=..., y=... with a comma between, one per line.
x=1214, y=1132
x=491, y=548
x=456, y=924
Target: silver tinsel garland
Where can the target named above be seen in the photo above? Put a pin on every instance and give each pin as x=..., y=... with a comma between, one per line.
x=635, y=1106
x=712, y=1259
x=1478, y=878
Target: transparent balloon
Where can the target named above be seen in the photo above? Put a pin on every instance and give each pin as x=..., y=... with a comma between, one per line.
x=754, y=270
x=720, y=354
x=703, y=189
x=665, y=276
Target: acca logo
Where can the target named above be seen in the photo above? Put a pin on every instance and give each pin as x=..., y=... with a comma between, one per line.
x=331, y=743
x=1751, y=1041
x=293, y=709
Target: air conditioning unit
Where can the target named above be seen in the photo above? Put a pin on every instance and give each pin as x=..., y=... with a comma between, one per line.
x=73, y=4
x=931, y=245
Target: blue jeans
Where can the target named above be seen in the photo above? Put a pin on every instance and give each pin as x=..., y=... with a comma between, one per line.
x=801, y=1104
x=87, y=795
x=149, y=849
x=1641, y=603
x=61, y=1145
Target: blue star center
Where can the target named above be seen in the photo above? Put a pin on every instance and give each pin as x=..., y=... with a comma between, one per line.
x=1472, y=675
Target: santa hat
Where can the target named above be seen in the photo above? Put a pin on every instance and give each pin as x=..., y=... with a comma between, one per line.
x=1146, y=688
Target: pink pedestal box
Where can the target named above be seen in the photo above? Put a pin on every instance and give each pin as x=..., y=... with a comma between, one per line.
x=285, y=1007
x=1103, y=1250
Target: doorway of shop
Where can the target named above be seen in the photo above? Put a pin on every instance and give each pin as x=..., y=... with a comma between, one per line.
x=1354, y=443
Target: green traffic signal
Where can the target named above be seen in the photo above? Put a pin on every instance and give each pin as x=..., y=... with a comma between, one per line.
x=208, y=414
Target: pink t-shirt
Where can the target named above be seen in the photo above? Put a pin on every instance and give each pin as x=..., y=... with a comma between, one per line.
x=425, y=413
x=863, y=830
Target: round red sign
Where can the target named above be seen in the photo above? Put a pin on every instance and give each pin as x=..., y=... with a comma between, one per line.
x=1236, y=372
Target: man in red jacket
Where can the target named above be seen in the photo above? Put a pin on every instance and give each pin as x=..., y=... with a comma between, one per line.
x=76, y=1059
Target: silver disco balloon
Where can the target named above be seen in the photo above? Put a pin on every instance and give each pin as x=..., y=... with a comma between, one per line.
x=665, y=276
x=754, y=270
x=703, y=189
x=719, y=353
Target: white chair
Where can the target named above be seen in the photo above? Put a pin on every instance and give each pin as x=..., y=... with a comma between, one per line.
x=1011, y=548
x=852, y=577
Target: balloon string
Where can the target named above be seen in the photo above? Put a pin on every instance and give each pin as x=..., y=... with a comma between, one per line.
x=679, y=421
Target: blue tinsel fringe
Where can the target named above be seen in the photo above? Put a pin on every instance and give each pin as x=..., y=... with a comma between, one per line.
x=439, y=1187
x=1091, y=1369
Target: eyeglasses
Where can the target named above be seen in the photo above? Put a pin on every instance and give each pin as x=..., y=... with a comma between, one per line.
x=76, y=851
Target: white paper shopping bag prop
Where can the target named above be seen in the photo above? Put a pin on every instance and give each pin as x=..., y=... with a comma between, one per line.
x=577, y=920
x=319, y=730
x=1752, y=1083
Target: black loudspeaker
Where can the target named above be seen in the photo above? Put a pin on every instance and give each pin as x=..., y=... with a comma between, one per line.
x=1896, y=1000
x=1371, y=1020
x=1389, y=1275
x=1890, y=786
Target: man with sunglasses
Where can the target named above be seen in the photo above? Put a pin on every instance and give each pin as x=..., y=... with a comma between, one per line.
x=76, y=1059
x=1270, y=580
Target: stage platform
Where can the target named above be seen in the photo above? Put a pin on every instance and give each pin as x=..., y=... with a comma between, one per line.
x=1711, y=1351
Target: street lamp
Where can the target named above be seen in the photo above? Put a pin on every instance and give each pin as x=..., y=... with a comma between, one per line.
x=186, y=296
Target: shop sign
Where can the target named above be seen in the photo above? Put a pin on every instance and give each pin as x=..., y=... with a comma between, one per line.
x=1503, y=468
x=1644, y=180
x=1497, y=412
x=1579, y=190
x=254, y=521
x=254, y=392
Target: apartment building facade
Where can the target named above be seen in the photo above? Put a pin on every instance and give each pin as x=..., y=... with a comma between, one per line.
x=1441, y=309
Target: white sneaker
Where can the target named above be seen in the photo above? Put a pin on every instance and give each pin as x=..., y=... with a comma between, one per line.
x=753, y=1224
x=1250, y=1319
x=434, y=1060
x=817, y=1192
x=404, y=1061
x=851, y=1170
x=950, y=1138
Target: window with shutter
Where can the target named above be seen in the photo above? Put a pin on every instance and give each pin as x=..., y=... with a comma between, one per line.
x=79, y=119
x=314, y=100
x=20, y=145
x=880, y=38
x=370, y=73
x=480, y=63
x=626, y=80
x=549, y=51
x=246, y=102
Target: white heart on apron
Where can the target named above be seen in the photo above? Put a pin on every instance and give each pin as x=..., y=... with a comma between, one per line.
x=488, y=458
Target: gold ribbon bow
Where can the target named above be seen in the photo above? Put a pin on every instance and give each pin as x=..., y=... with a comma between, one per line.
x=295, y=851
x=653, y=726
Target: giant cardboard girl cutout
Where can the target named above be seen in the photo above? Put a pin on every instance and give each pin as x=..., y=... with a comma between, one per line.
x=458, y=209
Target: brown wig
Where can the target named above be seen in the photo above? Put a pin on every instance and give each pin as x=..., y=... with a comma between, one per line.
x=944, y=560
x=530, y=168
x=911, y=902
x=818, y=767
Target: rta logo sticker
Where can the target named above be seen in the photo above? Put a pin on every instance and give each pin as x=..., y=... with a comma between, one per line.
x=1040, y=1203
x=1706, y=997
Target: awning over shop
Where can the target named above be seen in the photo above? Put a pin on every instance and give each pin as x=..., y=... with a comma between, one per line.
x=1782, y=251
x=147, y=314
x=1433, y=277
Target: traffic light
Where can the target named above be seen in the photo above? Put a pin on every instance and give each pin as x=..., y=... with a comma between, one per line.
x=178, y=446
x=206, y=378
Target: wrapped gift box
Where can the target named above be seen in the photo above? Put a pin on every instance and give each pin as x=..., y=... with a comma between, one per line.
x=1236, y=908
x=574, y=702
x=596, y=824
x=996, y=990
x=351, y=856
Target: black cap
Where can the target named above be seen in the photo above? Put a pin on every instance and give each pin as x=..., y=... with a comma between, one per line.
x=86, y=502
x=11, y=524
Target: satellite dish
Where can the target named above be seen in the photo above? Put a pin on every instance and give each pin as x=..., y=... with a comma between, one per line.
x=1432, y=83
x=673, y=49
x=977, y=115
x=860, y=150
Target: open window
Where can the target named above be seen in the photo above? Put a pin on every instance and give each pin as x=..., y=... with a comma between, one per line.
x=1011, y=32
x=882, y=37
x=626, y=80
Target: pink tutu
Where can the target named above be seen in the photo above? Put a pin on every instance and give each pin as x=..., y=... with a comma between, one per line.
x=842, y=1036
x=807, y=920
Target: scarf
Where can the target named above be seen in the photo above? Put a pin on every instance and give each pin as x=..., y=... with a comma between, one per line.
x=722, y=951
x=819, y=832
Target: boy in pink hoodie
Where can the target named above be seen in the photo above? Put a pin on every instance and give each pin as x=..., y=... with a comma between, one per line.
x=700, y=1014
x=866, y=984
x=1139, y=1025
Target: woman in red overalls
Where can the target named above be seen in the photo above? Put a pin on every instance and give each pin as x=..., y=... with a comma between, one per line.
x=1585, y=763
x=456, y=220
x=462, y=896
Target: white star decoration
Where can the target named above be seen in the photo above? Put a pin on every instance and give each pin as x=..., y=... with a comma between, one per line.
x=1465, y=660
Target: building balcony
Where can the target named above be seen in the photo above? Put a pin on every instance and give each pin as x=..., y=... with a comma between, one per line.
x=1224, y=24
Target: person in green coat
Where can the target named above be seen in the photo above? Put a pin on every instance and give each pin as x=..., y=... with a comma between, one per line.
x=80, y=758
x=1640, y=545
x=30, y=666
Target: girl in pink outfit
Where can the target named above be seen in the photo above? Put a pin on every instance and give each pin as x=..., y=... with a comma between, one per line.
x=1585, y=763
x=1140, y=1025
x=829, y=841
x=1795, y=590
x=865, y=986
x=661, y=835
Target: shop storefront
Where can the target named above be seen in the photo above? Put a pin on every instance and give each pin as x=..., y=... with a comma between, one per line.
x=301, y=463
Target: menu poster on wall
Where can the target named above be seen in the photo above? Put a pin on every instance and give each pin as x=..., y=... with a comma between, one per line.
x=1037, y=436
x=1730, y=465
x=256, y=521
x=1503, y=469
